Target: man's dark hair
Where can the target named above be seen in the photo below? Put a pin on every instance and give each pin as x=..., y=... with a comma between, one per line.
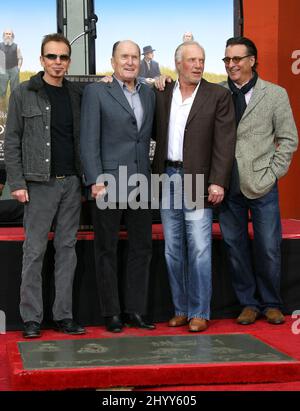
x=251, y=47
x=55, y=37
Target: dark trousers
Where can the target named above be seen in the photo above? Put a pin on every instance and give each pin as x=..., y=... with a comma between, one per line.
x=256, y=282
x=106, y=227
x=11, y=211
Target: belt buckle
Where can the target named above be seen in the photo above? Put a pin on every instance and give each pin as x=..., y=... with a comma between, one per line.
x=60, y=177
x=174, y=164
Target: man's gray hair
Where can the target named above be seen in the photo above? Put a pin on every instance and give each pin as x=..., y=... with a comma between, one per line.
x=187, y=34
x=8, y=30
x=179, y=50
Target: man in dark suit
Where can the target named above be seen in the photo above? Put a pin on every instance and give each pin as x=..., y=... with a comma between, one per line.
x=195, y=135
x=149, y=69
x=115, y=138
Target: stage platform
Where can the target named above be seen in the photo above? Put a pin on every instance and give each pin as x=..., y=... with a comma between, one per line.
x=226, y=354
x=290, y=231
x=86, y=308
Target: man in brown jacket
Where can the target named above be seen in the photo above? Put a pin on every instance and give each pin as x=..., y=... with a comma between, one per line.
x=195, y=135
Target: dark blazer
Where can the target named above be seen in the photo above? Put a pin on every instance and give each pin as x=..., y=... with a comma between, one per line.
x=210, y=134
x=109, y=134
x=146, y=73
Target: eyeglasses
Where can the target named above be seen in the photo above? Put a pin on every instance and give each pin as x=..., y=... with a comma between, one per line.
x=235, y=59
x=62, y=57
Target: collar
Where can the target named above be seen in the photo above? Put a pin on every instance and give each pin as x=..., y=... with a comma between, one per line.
x=124, y=87
x=177, y=85
x=36, y=82
x=240, y=86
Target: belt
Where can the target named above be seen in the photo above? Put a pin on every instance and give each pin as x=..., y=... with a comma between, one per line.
x=175, y=164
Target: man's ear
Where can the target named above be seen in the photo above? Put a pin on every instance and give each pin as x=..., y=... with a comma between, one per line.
x=252, y=60
x=177, y=66
x=112, y=62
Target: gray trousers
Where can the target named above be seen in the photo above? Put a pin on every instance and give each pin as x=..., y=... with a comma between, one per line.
x=57, y=201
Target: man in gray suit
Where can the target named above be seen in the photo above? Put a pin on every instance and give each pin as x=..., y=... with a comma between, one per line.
x=266, y=140
x=115, y=139
x=149, y=69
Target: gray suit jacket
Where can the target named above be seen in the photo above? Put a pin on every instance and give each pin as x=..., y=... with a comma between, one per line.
x=109, y=135
x=266, y=139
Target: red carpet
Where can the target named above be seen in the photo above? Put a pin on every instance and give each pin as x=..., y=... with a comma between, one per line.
x=291, y=386
x=182, y=377
x=221, y=377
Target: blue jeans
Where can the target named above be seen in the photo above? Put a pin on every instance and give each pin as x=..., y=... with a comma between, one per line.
x=188, y=244
x=256, y=281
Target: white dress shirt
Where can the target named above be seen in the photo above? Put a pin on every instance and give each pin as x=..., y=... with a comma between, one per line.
x=180, y=111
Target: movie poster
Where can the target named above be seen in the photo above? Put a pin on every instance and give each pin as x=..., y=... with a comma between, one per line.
x=11, y=60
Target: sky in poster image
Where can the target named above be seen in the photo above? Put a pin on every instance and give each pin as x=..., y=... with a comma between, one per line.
x=160, y=24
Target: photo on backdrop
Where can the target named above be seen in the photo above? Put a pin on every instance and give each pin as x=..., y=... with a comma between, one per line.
x=29, y=25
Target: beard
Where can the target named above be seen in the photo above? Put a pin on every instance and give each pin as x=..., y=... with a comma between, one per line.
x=8, y=42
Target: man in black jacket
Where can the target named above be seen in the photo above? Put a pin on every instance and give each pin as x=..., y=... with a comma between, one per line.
x=43, y=168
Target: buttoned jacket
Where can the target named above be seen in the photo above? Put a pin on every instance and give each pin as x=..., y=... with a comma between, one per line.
x=110, y=138
x=28, y=132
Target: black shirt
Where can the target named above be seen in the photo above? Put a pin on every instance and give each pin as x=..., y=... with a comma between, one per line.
x=2, y=176
x=62, y=141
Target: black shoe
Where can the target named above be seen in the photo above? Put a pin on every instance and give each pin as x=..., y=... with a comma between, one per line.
x=68, y=326
x=114, y=324
x=136, y=320
x=32, y=329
